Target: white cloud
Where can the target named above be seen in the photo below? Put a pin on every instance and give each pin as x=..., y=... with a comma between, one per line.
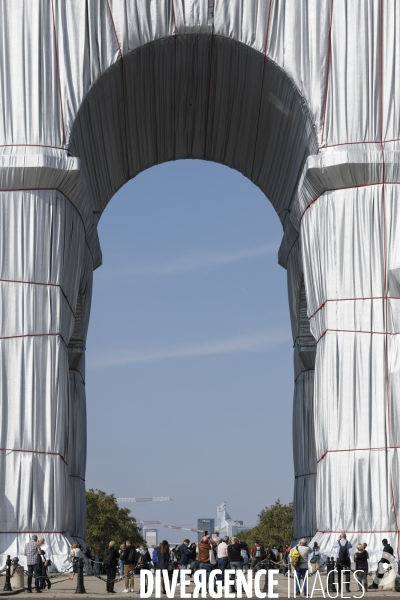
x=252, y=342
x=197, y=262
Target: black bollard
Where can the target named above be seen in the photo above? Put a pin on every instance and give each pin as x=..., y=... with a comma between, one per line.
x=330, y=578
x=7, y=586
x=80, y=588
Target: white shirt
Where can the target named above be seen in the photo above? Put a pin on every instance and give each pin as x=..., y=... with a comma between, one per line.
x=343, y=542
x=46, y=549
x=222, y=550
x=77, y=552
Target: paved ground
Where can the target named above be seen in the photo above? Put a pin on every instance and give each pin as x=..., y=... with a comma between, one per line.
x=63, y=588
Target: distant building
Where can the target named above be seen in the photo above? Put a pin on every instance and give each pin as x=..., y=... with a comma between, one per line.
x=226, y=525
x=150, y=535
x=205, y=525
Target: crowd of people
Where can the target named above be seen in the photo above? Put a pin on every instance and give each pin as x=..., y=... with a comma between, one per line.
x=125, y=562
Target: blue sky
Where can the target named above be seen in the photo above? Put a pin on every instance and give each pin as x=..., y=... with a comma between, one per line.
x=189, y=377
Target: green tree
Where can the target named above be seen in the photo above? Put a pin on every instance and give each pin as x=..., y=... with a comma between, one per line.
x=275, y=526
x=106, y=521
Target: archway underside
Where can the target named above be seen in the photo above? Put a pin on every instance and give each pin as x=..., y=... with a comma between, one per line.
x=194, y=96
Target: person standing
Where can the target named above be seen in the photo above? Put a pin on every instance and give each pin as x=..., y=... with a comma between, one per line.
x=121, y=562
x=342, y=547
x=32, y=560
x=142, y=559
x=77, y=555
x=257, y=554
x=184, y=558
x=205, y=547
x=286, y=558
x=315, y=556
x=299, y=558
x=245, y=555
x=361, y=559
x=235, y=557
x=387, y=553
x=268, y=564
x=163, y=561
x=129, y=558
x=222, y=556
x=46, y=562
x=110, y=561
x=154, y=558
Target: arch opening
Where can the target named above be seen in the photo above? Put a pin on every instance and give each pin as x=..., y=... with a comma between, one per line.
x=206, y=346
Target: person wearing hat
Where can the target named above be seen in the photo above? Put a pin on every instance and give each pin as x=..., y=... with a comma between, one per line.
x=222, y=556
x=361, y=559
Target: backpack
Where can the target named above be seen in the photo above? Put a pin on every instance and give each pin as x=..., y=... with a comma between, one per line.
x=154, y=556
x=142, y=561
x=109, y=555
x=295, y=557
x=178, y=552
x=130, y=555
x=342, y=554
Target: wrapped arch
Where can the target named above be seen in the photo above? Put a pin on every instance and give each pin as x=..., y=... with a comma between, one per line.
x=299, y=96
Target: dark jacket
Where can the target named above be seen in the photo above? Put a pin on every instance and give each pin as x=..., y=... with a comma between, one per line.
x=163, y=558
x=142, y=560
x=361, y=560
x=129, y=555
x=388, y=548
x=113, y=556
x=234, y=554
x=185, y=555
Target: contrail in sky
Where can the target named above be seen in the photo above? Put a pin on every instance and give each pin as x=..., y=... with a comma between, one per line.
x=197, y=262
x=252, y=342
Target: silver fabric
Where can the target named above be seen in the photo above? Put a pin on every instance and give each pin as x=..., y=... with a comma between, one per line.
x=301, y=96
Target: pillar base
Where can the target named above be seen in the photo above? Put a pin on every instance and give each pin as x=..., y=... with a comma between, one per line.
x=59, y=543
x=373, y=540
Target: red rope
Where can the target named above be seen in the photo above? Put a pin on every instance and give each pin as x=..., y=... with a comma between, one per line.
x=58, y=73
x=328, y=59
x=299, y=337
x=357, y=450
x=375, y=531
x=301, y=372
x=174, y=22
x=262, y=87
x=114, y=28
x=356, y=331
x=41, y=283
x=359, y=143
x=12, y=337
x=29, y=532
x=34, y=146
x=76, y=371
x=78, y=477
x=350, y=187
x=209, y=79
x=60, y=192
x=123, y=85
x=34, y=452
x=173, y=16
x=352, y=299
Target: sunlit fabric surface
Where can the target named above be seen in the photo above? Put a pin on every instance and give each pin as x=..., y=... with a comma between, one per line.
x=302, y=97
